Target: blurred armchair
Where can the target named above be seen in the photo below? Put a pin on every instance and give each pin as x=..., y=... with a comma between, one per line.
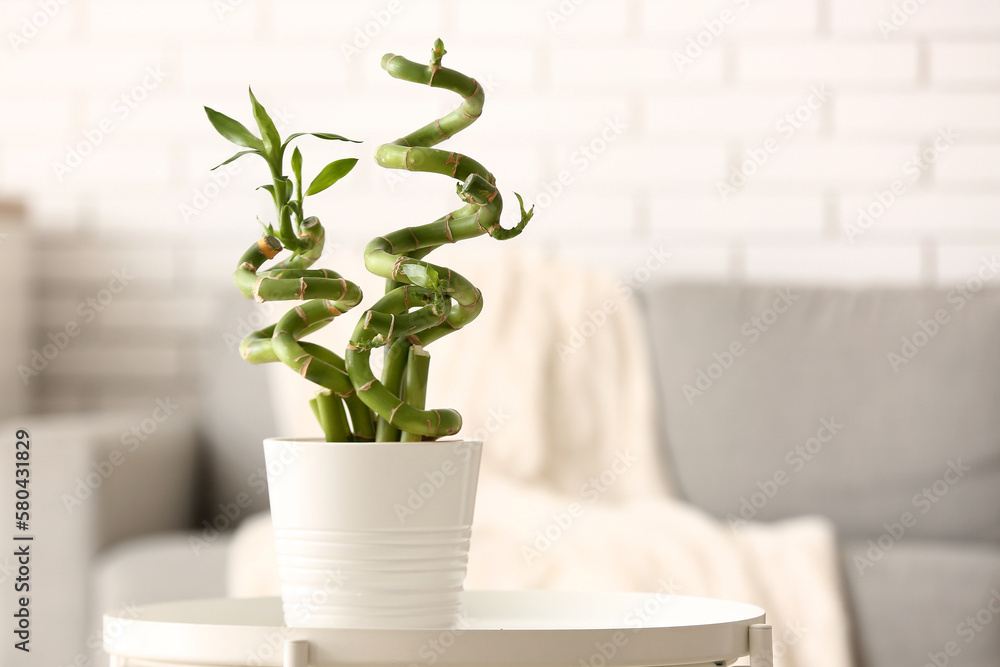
x=90, y=491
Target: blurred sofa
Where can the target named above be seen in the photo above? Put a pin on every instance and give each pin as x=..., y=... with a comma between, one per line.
x=16, y=244
x=876, y=408
x=879, y=409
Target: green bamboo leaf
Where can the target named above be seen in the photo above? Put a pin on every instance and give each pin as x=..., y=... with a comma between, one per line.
x=329, y=136
x=322, y=135
x=272, y=140
x=268, y=229
x=525, y=215
x=421, y=275
x=269, y=188
x=233, y=130
x=235, y=157
x=287, y=235
x=331, y=173
x=297, y=165
x=285, y=185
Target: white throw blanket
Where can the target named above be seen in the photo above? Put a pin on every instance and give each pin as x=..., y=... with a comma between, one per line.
x=554, y=377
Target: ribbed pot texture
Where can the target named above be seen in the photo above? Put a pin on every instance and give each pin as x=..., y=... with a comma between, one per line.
x=372, y=535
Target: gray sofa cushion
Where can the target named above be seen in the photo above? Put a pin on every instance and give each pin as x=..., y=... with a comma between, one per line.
x=925, y=603
x=777, y=403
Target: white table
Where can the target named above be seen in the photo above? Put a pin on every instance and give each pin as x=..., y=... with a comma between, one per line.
x=524, y=628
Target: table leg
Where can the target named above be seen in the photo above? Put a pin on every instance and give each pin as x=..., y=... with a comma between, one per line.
x=296, y=653
x=761, y=648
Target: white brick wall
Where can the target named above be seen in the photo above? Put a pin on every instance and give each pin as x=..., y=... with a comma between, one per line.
x=629, y=66
x=976, y=165
x=808, y=60
x=913, y=114
x=124, y=20
x=954, y=17
x=962, y=62
x=748, y=217
x=731, y=113
x=788, y=17
x=698, y=87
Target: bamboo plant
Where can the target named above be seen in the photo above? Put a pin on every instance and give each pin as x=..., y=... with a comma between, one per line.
x=422, y=302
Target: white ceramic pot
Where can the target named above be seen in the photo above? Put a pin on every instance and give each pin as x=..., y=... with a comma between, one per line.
x=372, y=535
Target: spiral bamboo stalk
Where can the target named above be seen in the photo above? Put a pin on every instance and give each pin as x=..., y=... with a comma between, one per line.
x=326, y=293
x=442, y=301
x=330, y=295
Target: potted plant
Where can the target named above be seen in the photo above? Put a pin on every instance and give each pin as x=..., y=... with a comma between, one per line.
x=372, y=523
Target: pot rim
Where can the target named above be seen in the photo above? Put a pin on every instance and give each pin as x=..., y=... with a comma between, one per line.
x=320, y=441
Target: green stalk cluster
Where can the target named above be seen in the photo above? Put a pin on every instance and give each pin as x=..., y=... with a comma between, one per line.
x=422, y=302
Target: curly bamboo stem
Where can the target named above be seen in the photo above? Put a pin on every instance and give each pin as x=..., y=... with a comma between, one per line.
x=398, y=257
x=415, y=383
x=329, y=295
x=326, y=293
